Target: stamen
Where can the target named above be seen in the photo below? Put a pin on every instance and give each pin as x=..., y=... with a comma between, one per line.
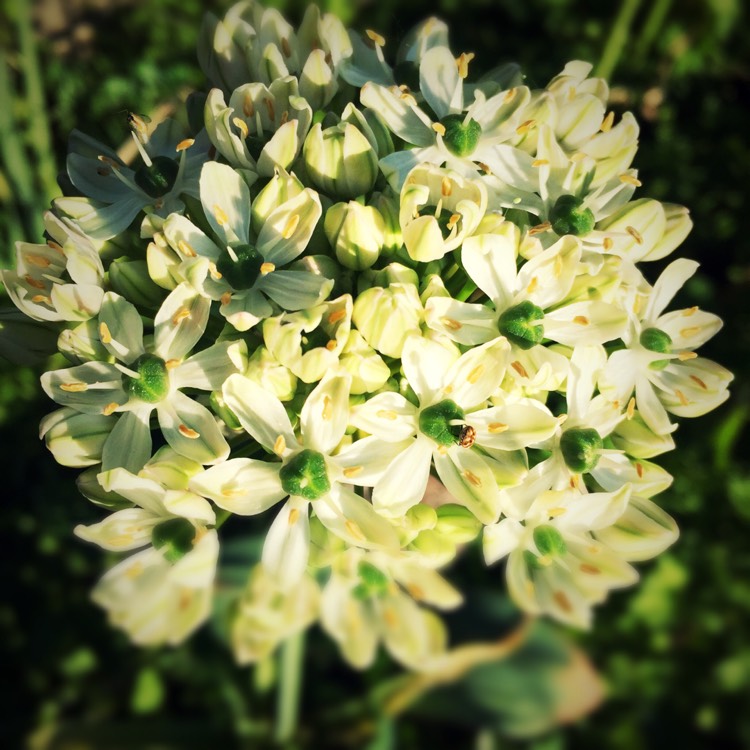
x=248, y=108
x=628, y=179
x=336, y=316
x=555, y=512
x=683, y=398
x=683, y=356
x=284, y=117
x=524, y=127
x=533, y=284
x=635, y=234
x=186, y=249
x=226, y=298
x=188, y=432
x=462, y=63
x=386, y=414
x=471, y=478
x=439, y=208
x=563, y=601
x=55, y=246
x=608, y=243
x=41, y=298
x=690, y=331
x=558, y=266
x=38, y=260
x=279, y=445
x=291, y=226
x=485, y=168
x=241, y=125
x=390, y=618
x=520, y=369
x=630, y=411
x=271, y=109
x=293, y=516
x=540, y=228
x=266, y=268
x=700, y=382
x=439, y=128
x=690, y=311
x=354, y=530
x=375, y=37
x=180, y=315
x=454, y=219
x=327, y=413
x=110, y=408
x=220, y=215
x=451, y=324
x=170, y=364
x=446, y=187
x=590, y=569
x=639, y=469
x=184, y=145
x=285, y=48
x=539, y=162
x=607, y=123
x=331, y=345
x=31, y=281
x=495, y=428
x=104, y=334
x=144, y=154
x=510, y=96
x=582, y=320
x=352, y=471
x=475, y=374
x=74, y=387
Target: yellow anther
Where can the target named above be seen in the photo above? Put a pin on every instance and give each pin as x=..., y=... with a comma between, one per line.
x=462, y=63
x=293, y=516
x=454, y=219
x=386, y=414
x=241, y=125
x=451, y=324
x=628, y=179
x=683, y=356
x=555, y=512
x=354, y=530
x=55, y=246
x=41, y=298
x=270, y=108
x=494, y=428
x=520, y=369
x=590, y=569
x=582, y=320
x=682, y=397
x=180, y=315
x=248, y=108
x=327, y=413
x=279, y=445
x=233, y=492
x=106, y=160
x=533, y=284
x=475, y=374
x=188, y=432
x=110, y=408
x=214, y=271
x=285, y=48
x=558, y=267
x=630, y=408
x=134, y=570
x=608, y=243
x=545, y=226
x=448, y=389
x=576, y=157
x=74, y=387
x=186, y=249
x=439, y=128
x=639, y=469
x=226, y=298
x=524, y=127
x=635, y=234
x=31, y=281
x=352, y=471
x=607, y=123
x=291, y=226
x=220, y=215
x=690, y=331
x=184, y=145
x=38, y=260
x=563, y=601
x=446, y=187
x=700, y=382
x=539, y=162
x=510, y=95
x=572, y=93
x=170, y=364
x=390, y=618
x=266, y=268
x=284, y=119
x=336, y=316
x=104, y=334
x=484, y=167
x=471, y=478
x=376, y=38
x=331, y=345
x=690, y=311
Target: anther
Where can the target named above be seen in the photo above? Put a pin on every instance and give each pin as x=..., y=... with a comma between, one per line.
x=700, y=382
x=495, y=428
x=628, y=179
x=524, y=127
x=180, y=315
x=635, y=234
x=462, y=63
x=376, y=38
x=285, y=48
x=533, y=284
x=439, y=128
x=475, y=374
x=520, y=369
x=248, y=108
x=682, y=397
x=74, y=387
x=582, y=320
x=188, y=432
x=608, y=243
x=110, y=408
x=271, y=109
x=31, y=281
x=226, y=298
x=186, y=249
x=291, y=226
x=451, y=324
x=352, y=471
x=446, y=187
x=454, y=219
x=471, y=478
x=539, y=162
x=639, y=469
x=510, y=95
x=293, y=516
x=279, y=445
x=266, y=268
x=607, y=123
x=104, y=334
x=241, y=125
x=690, y=331
x=184, y=145
x=540, y=228
x=386, y=414
x=336, y=316
x=220, y=215
x=630, y=411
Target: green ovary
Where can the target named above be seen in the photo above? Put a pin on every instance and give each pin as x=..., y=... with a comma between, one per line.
x=304, y=475
x=580, y=449
x=152, y=383
x=243, y=272
x=519, y=324
x=158, y=179
x=173, y=538
x=656, y=341
x=461, y=138
x=436, y=422
x=569, y=217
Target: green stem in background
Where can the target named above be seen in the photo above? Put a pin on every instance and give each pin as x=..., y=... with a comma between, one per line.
x=290, y=684
x=39, y=131
x=651, y=27
x=617, y=39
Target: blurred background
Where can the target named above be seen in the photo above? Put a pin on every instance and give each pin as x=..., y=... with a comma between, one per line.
x=672, y=656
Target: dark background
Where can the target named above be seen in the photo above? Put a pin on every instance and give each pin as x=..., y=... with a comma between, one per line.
x=674, y=652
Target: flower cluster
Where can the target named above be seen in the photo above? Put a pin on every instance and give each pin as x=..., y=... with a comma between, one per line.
x=360, y=277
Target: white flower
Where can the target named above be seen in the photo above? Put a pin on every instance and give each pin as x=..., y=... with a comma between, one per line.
x=309, y=473
x=162, y=593
x=659, y=364
x=147, y=378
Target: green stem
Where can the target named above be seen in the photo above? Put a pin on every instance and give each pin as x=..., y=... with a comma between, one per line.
x=618, y=37
x=290, y=684
x=653, y=23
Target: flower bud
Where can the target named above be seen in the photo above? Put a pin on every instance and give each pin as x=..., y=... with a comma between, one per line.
x=368, y=370
x=88, y=485
x=76, y=439
x=395, y=273
x=457, y=523
x=267, y=372
x=340, y=160
x=436, y=548
x=387, y=206
x=163, y=264
x=356, y=233
x=24, y=341
x=281, y=188
x=386, y=317
x=131, y=279
x=83, y=343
